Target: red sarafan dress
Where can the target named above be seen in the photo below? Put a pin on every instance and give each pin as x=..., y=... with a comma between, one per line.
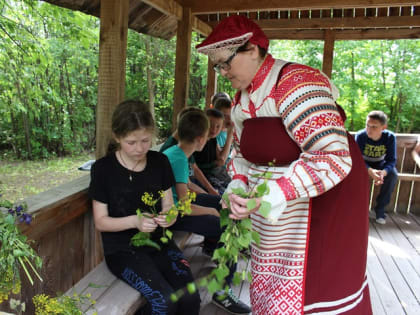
x=313, y=250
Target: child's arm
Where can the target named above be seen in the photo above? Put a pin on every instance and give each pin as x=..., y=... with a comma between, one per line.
x=105, y=223
x=195, y=188
x=167, y=202
x=182, y=191
x=223, y=154
x=203, y=180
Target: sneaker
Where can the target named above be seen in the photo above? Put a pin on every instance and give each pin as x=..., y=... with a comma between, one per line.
x=372, y=214
x=380, y=221
x=230, y=303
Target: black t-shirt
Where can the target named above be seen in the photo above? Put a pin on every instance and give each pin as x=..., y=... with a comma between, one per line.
x=110, y=184
x=206, y=158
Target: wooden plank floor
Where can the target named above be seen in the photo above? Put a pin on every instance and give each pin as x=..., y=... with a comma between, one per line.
x=393, y=268
x=394, y=265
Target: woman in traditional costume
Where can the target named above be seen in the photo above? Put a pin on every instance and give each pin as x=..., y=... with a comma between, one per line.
x=312, y=255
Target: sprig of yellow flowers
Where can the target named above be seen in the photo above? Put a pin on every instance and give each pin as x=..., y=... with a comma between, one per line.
x=182, y=207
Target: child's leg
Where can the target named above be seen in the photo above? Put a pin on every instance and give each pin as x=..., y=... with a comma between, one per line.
x=219, y=178
x=385, y=193
x=176, y=269
x=140, y=271
x=205, y=225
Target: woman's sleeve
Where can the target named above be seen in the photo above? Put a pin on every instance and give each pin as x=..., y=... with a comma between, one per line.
x=312, y=119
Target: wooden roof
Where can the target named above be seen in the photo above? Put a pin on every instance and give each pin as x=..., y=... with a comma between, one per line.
x=281, y=19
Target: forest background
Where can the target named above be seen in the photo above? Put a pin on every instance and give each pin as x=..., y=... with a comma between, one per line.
x=49, y=69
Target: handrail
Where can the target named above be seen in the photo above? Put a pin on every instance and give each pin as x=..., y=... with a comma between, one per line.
x=55, y=207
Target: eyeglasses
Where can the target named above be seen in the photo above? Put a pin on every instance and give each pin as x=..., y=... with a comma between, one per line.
x=224, y=65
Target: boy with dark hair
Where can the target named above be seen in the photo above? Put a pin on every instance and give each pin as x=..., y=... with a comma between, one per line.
x=193, y=129
x=219, y=95
x=378, y=146
x=198, y=182
x=224, y=105
x=212, y=158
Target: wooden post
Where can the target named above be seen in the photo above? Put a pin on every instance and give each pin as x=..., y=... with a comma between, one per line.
x=182, y=63
x=111, y=79
x=211, y=82
x=327, y=61
x=111, y=74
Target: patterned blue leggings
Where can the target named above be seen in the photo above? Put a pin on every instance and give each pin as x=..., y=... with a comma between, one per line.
x=156, y=275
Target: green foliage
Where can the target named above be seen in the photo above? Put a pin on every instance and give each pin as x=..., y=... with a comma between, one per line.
x=235, y=240
x=62, y=305
x=183, y=207
x=370, y=75
x=15, y=252
x=48, y=68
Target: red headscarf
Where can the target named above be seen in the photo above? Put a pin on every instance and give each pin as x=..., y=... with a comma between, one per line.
x=232, y=32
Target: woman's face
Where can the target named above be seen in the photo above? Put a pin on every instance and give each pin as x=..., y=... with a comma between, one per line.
x=242, y=67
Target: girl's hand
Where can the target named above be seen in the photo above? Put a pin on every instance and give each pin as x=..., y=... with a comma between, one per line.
x=145, y=224
x=238, y=207
x=161, y=221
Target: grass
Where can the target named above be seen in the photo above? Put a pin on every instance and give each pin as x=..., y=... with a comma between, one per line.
x=21, y=179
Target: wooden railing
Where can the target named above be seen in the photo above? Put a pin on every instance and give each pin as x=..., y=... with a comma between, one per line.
x=406, y=196
x=64, y=237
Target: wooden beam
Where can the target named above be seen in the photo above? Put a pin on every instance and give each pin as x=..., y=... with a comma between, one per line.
x=205, y=7
x=201, y=27
x=211, y=82
x=328, y=23
x=168, y=7
x=111, y=73
x=346, y=34
x=327, y=61
x=172, y=8
x=182, y=64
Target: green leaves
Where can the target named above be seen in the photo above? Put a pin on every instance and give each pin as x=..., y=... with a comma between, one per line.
x=143, y=239
x=15, y=252
x=251, y=204
x=182, y=208
x=240, y=192
x=264, y=209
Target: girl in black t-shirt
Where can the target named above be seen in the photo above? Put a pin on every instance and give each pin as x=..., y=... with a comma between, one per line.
x=118, y=181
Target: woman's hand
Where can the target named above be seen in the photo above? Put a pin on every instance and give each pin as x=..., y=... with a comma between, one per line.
x=145, y=224
x=161, y=221
x=238, y=207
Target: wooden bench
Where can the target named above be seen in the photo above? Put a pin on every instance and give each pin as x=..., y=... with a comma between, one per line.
x=113, y=296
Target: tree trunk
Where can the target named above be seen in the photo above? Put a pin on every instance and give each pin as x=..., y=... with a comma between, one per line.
x=149, y=75
x=69, y=99
x=25, y=121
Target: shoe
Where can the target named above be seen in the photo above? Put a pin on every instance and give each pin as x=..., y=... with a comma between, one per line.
x=230, y=303
x=372, y=214
x=380, y=221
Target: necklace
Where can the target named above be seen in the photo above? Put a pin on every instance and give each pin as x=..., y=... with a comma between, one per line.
x=130, y=177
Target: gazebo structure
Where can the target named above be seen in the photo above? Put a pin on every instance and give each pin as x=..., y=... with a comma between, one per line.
x=63, y=226
x=305, y=19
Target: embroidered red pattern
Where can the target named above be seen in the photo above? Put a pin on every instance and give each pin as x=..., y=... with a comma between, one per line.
x=287, y=188
x=314, y=123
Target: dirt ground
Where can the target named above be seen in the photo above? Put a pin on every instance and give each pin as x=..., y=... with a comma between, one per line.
x=21, y=179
